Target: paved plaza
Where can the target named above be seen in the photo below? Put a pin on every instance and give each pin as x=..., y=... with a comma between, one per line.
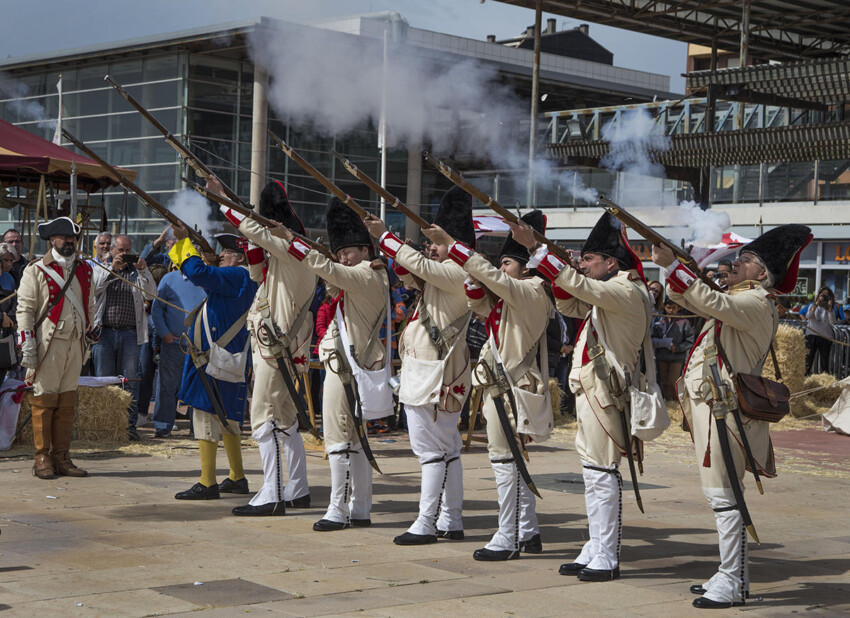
x=118, y=544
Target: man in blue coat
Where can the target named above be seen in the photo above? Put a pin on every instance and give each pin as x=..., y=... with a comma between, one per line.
x=225, y=364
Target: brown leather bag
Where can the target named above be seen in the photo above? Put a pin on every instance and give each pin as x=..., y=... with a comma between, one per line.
x=760, y=398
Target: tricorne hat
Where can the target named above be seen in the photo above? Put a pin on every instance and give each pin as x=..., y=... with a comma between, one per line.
x=61, y=226
x=234, y=242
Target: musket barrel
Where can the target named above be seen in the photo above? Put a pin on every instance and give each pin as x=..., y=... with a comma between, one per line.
x=130, y=185
x=377, y=188
x=323, y=180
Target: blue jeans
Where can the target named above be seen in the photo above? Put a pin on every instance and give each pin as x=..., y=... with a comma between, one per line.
x=171, y=359
x=117, y=353
x=147, y=377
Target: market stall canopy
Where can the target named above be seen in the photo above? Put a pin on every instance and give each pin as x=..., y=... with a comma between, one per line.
x=24, y=156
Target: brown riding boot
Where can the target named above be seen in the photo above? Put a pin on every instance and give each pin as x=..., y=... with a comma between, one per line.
x=63, y=425
x=42, y=407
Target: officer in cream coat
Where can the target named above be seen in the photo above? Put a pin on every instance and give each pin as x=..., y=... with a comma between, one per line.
x=362, y=311
x=435, y=370
x=744, y=321
x=610, y=293
x=281, y=305
x=517, y=322
x=52, y=338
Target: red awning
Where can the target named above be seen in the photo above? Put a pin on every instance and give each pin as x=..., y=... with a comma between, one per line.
x=23, y=154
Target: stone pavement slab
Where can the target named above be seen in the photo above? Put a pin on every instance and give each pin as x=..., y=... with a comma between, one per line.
x=118, y=544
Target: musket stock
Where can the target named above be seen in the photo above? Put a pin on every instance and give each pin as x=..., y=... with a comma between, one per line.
x=128, y=184
x=492, y=204
x=193, y=161
x=323, y=180
x=377, y=188
x=253, y=214
x=655, y=238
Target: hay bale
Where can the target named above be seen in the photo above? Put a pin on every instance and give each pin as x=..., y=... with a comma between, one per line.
x=829, y=391
x=101, y=416
x=790, y=346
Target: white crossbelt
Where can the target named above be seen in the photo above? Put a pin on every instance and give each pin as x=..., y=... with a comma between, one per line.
x=60, y=281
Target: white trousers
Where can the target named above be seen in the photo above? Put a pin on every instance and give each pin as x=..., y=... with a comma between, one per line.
x=437, y=443
x=273, y=489
x=517, y=508
x=603, y=498
x=731, y=583
x=351, y=484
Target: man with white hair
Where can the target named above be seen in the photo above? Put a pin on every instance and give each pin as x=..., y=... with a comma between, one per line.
x=740, y=326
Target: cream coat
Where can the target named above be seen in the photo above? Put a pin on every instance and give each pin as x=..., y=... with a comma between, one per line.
x=749, y=322
x=34, y=295
x=623, y=319
x=444, y=295
x=521, y=325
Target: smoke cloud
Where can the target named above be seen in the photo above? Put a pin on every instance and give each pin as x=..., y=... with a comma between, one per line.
x=195, y=212
x=11, y=88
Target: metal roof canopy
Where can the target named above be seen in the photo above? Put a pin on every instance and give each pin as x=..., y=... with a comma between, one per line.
x=778, y=29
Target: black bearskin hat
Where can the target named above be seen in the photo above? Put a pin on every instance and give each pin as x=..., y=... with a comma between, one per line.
x=346, y=228
x=607, y=238
x=234, y=242
x=512, y=248
x=779, y=249
x=61, y=226
x=455, y=215
x=274, y=204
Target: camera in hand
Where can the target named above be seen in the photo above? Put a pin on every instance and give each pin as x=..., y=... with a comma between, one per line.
x=129, y=258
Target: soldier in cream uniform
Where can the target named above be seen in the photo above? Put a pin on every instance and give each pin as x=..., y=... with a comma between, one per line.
x=435, y=370
x=281, y=305
x=360, y=314
x=517, y=324
x=743, y=320
x=610, y=293
x=53, y=329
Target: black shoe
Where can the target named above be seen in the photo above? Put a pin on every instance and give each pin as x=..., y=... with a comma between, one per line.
x=408, y=538
x=571, y=568
x=133, y=435
x=451, y=535
x=699, y=589
x=162, y=433
x=233, y=487
x=599, y=575
x=299, y=503
x=361, y=523
x=261, y=510
x=199, y=492
x=706, y=603
x=534, y=545
x=490, y=555
x=327, y=525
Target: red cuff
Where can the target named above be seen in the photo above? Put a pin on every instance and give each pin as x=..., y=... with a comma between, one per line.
x=560, y=293
x=551, y=266
x=390, y=244
x=681, y=279
x=399, y=269
x=299, y=249
x=24, y=335
x=474, y=292
x=255, y=255
x=234, y=217
x=460, y=253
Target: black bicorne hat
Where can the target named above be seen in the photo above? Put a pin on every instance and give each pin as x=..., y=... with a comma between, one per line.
x=512, y=248
x=779, y=249
x=234, y=242
x=455, y=215
x=62, y=226
x=346, y=228
x=274, y=204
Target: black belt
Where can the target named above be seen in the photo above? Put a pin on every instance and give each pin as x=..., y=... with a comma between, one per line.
x=120, y=327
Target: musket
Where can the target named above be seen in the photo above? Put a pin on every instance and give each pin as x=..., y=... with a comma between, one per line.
x=719, y=409
x=323, y=180
x=128, y=184
x=488, y=201
x=253, y=214
x=377, y=188
x=193, y=161
x=655, y=238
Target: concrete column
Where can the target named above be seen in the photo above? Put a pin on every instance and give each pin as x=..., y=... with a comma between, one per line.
x=259, y=139
x=414, y=190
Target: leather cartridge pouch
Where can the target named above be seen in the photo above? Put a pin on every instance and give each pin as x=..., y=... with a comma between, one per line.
x=760, y=398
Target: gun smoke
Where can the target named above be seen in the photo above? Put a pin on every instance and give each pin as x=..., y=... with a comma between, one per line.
x=195, y=212
x=17, y=92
